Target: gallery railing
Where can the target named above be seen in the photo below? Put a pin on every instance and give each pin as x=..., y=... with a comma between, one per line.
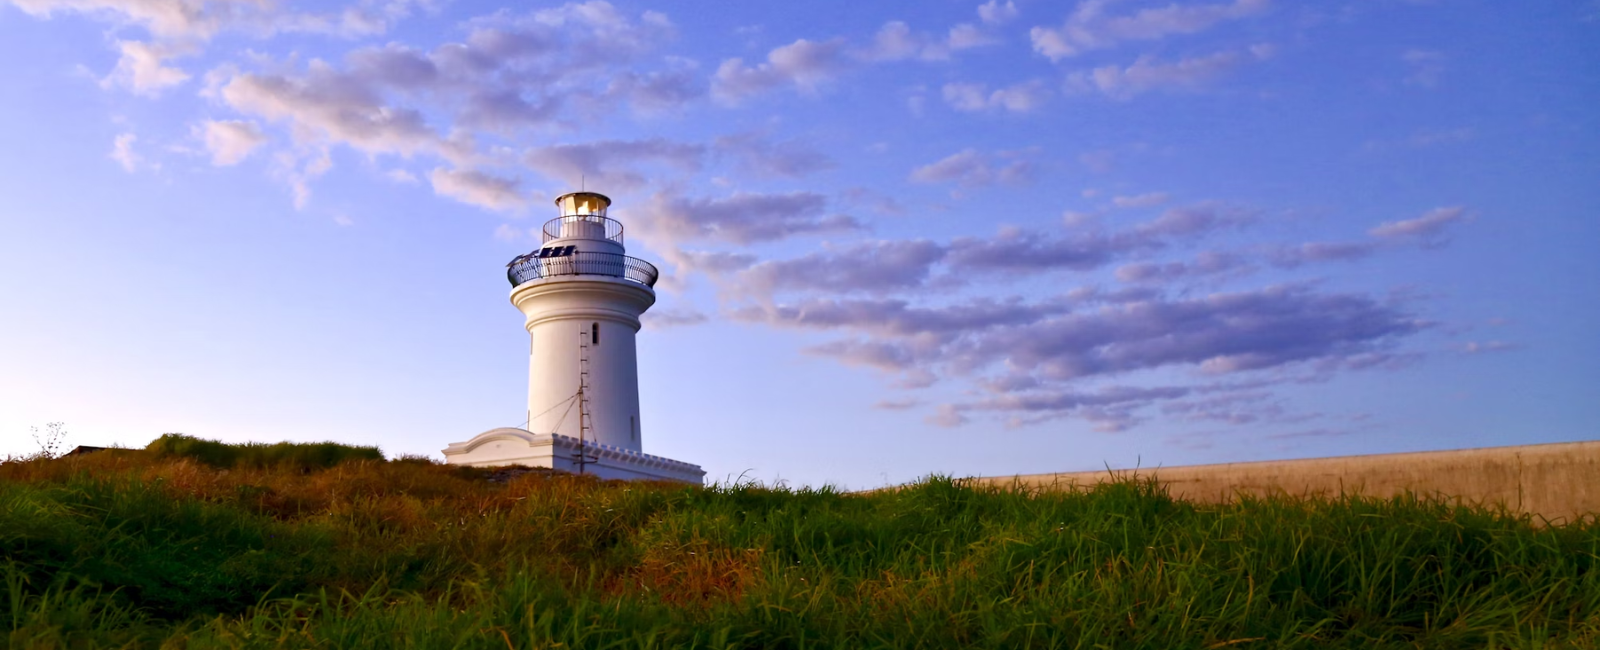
x=583, y=226
x=532, y=267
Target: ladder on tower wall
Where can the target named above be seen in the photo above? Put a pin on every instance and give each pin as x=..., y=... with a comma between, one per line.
x=585, y=417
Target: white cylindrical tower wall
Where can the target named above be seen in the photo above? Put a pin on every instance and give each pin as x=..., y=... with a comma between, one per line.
x=561, y=314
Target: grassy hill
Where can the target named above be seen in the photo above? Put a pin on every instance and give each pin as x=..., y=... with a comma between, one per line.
x=191, y=544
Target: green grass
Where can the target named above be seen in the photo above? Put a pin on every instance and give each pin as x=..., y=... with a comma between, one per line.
x=302, y=456
x=170, y=547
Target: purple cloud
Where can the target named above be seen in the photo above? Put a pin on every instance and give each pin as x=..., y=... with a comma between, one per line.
x=806, y=65
x=742, y=218
x=613, y=163
x=868, y=267
x=1429, y=226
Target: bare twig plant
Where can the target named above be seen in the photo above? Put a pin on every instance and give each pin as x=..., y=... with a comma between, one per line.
x=49, y=441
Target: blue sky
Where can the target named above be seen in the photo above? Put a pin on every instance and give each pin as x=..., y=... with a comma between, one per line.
x=896, y=238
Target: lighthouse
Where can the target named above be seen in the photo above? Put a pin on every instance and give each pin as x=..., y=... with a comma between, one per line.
x=581, y=296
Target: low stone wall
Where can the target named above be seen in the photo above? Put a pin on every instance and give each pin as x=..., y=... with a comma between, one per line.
x=1559, y=482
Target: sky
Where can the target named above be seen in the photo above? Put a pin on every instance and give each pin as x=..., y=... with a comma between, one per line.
x=896, y=238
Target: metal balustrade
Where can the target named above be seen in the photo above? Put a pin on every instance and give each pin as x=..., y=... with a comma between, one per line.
x=532, y=267
x=583, y=226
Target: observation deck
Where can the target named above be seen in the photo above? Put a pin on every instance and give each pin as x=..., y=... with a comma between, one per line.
x=526, y=268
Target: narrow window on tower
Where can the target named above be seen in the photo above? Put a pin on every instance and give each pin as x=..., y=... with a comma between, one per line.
x=594, y=334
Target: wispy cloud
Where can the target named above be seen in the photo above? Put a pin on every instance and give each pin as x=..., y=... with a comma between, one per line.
x=229, y=141
x=805, y=65
x=1091, y=26
x=1024, y=97
x=994, y=12
x=141, y=67
x=615, y=164
x=764, y=157
x=1428, y=227
x=1150, y=74
x=970, y=168
x=1425, y=67
x=477, y=188
x=740, y=218
x=122, y=152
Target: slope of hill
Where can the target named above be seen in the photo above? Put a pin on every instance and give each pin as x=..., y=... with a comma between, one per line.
x=171, y=547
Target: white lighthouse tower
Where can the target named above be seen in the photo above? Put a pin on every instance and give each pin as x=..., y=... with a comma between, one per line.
x=582, y=297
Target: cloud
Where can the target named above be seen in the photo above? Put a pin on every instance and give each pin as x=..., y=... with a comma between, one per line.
x=230, y=141
x=366, y=19
x=806, y=65
x=1099, y=161
x=897, y=404
x=884, y=266
x=1043, y=358
x=1427, y=67
x=763, y=157
x=995, y=13
x=896, y=42
x=1019, y=250
x=1015, y=249
x=714, y=262
x=602, y=23
x=1193, y=220
x=1232, y=407
x=163, y=18
x=122, y=152
x=897, y=320
x=1109, y=409
x=183, y=27
x=867, y=267
x=1428, y=230
x=652, y=93
x=974, y=97
x=326, y=105
x=509, y=233
x=545, y=69
x=1220, y=333
x=742, y=218
x=395, y=66
x=479, y=189
x=140, y=69
x=969, y=168
x=877, y=202
x=1423, y=139
x=1090, y=27
x=965, y=36
x=1147, y=74
x=1428, y=227
x=612, y=164
x=666, y=318
x=1293, y=256
x=1063, y=340
x=1206, y=263
x=1485, y=347
x=1146, y=200
x=300, y=168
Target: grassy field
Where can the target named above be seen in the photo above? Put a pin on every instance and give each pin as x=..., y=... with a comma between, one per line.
x=194, y=545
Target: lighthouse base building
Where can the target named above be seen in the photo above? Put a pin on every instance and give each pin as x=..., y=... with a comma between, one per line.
x=510, y=446
x=582, y=297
